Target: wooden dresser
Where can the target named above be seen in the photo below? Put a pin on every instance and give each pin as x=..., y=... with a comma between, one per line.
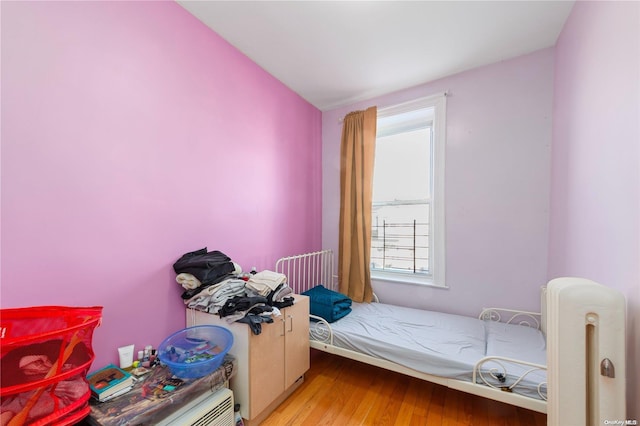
x=271, y=365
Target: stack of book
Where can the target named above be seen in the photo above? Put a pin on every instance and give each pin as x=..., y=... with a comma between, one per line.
x=109, y=382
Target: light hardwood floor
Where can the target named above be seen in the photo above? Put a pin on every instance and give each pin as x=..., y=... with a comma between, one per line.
x=339, y=391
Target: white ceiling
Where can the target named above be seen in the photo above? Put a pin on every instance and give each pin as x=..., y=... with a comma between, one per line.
x=334, y=53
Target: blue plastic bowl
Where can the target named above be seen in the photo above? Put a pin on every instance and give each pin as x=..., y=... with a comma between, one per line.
x=196, y=351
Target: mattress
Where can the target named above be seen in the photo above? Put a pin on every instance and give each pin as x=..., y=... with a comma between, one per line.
x=442, y=344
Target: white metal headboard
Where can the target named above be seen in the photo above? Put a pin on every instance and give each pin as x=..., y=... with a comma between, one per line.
x=307, y=270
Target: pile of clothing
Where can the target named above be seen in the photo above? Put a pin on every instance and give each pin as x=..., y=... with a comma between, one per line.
x=200, y=269
x=212, y=298
x=252, y=310
x=213, y=283
x=263, y=283
x=271, y=285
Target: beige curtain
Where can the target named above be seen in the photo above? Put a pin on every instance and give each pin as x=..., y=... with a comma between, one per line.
x=356, y=187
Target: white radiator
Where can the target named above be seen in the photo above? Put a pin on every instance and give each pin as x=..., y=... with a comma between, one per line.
x=209, y=409
x=585, y=353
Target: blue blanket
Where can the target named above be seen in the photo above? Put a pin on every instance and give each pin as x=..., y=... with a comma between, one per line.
x=328, y=304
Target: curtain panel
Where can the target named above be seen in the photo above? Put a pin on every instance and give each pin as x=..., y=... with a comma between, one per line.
x=357, y=152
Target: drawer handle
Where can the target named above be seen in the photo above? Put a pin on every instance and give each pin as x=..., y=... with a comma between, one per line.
x=291, y=327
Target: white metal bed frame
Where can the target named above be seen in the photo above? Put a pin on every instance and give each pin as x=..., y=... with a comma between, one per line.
x=307, y=270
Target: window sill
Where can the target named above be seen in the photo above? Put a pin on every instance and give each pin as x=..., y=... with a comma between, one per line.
x=406, y=279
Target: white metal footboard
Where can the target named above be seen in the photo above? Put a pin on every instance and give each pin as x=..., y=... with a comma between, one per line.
x=320, y=330
x=493, y=371
x=511, y=316
x=308, y=270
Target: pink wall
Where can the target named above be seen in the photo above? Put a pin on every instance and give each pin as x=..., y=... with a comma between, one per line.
x=497, y=185
x=595, y=195
x=131, y=134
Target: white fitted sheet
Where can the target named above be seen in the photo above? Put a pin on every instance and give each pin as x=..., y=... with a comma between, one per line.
x=440, y=344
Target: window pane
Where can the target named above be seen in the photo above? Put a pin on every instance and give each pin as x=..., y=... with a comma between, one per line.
x=400, y=238
x=401, y=202
x=402, y=168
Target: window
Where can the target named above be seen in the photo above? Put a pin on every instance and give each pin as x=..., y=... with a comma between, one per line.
x=407, y=240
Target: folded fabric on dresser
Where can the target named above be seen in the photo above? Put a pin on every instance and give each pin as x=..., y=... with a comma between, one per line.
x=188, y=281
x=265, y=282
x=212, y=298
x=328, y=304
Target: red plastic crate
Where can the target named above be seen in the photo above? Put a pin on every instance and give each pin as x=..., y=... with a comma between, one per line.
x=46, y=353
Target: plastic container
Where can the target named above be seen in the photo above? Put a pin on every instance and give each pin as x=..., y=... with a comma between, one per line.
x=196, y=351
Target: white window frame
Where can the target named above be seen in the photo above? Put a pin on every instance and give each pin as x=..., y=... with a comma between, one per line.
x=437, y=253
